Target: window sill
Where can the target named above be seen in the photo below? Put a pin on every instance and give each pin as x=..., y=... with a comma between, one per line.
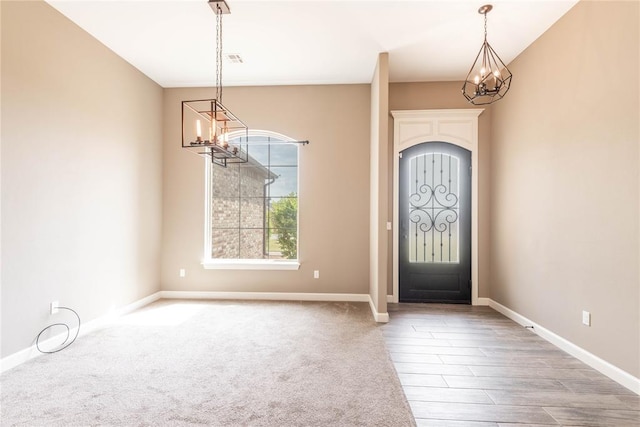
x=249, y=264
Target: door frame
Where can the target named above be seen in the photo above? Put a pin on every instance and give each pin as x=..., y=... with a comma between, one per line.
x=456, y=126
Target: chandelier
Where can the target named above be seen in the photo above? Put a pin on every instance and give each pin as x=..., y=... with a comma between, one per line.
x=488, y=79
x=208, y=127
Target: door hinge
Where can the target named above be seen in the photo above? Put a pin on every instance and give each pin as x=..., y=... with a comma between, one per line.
x=400, y=155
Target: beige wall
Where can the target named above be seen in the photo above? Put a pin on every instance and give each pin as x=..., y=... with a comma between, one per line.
x=81, y=174
x=334, y=189
x=379, y=185
x=447, y=95
x=565, y=182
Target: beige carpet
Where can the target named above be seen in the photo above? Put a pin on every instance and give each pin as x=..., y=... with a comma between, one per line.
x=221, y=363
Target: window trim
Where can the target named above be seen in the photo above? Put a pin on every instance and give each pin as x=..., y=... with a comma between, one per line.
x=249, y=264
x=209, y=263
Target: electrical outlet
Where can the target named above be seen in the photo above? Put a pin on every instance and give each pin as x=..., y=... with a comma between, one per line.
x=53, y=307
x=389, y=225
x=586, y=318
x=316, y=274
x=183, y=272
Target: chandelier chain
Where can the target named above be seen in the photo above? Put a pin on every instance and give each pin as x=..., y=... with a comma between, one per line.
x=218, y=53
x=485, y=27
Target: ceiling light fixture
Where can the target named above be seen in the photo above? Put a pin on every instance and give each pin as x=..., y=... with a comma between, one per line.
x=488, y=79
x=227, y=136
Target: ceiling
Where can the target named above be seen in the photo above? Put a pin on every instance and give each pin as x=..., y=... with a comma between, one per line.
x=310, y=42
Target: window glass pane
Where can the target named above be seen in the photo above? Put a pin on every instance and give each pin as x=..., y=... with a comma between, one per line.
x=225, y=212
x=224, y=181
x=283, y=220
x=252, y=244
x=252, y=212
x=283, y=155
x=259, y=153
x=253, y=178
x=273, y=246
x=225, y=243
x=286, y=181
x=283, y=243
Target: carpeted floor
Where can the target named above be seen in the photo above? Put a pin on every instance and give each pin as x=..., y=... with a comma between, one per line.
x=222, y=363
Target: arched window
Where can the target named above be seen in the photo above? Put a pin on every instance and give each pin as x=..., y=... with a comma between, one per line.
x=252, y=207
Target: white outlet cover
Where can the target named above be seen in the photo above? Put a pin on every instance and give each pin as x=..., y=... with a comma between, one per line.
x=183, y=272
x=316, y=274
x=586, y=318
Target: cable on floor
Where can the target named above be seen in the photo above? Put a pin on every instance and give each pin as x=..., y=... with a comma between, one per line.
x=64, y=344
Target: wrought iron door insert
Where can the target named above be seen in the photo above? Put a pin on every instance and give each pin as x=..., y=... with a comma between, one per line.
x=433, y=208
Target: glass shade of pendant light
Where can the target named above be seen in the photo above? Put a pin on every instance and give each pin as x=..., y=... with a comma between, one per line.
x=208, y=127
x=489, y=78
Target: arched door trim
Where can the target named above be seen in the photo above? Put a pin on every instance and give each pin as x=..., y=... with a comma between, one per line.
x=458, y=127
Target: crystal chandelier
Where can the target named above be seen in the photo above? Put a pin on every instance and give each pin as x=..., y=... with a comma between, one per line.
x=208, y=127
x=489, y=78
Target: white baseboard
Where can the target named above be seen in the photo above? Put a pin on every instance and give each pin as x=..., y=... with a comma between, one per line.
x=272, y=296
x=278, y=296
x=618, y=375
x=482, y=301
x=377, y=316
x=138, y=304
x=32, y=352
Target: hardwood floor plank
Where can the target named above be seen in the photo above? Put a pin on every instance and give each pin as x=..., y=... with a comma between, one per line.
x=566, y=362
x=604, y=386
x=417, y=322
x=490, y=383
x=406, y=334
x=478, y=412
x=431, y=369
x=418, y=341
x=632, y=401
x=459, y=351
x=414, y=358
x=498, y=344
x=422, y=380
x=595, y=417
x=493, y=361
x=480, y=329
x=525, y=425
x=464, y=336
x=436, y=394
x=544, y=352
x=527, y=372
x=449, y=423
x=551, y=398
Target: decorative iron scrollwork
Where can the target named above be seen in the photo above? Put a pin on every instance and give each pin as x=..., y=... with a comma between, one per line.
x=434, y=208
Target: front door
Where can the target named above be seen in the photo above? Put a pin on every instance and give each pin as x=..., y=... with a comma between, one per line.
x=435, y=224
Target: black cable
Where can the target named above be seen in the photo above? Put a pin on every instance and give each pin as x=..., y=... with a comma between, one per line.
x=64, y=344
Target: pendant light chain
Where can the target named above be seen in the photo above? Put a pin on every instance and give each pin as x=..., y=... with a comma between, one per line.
x=218, y=53
x=484, y=55
x=485, y=27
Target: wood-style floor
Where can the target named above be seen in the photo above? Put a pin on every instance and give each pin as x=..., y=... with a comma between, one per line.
x=470, y=366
